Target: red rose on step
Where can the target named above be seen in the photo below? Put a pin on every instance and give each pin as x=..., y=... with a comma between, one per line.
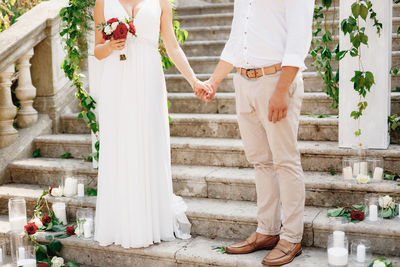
x=30, y=228
x=51, y=189
x=70, y=230
x=43, y=264
x=132, y=28
x=357, y=215
x=46, y=219
x=110, y=21
x=121, y=31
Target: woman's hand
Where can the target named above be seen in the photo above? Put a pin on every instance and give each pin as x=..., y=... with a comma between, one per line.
x=116, y=44
x=202, y=90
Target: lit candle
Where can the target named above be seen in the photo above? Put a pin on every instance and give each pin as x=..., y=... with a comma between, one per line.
x=361, y=253
x=21, y=253
x=356, y=168
x=27, y=263
x=378, y=173
x=338, y=256
x=81, y=190
x=87, y=228
x=348, y=173
x=373, y=213
x=70, y=187
x=338, y=239
x=364, y=168
x=60, y=212
x=17, y=224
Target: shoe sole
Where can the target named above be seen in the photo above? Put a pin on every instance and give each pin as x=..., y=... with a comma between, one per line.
x=275, y=265
x=238, y=253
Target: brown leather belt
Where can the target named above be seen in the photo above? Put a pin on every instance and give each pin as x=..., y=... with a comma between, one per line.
x=257, y=73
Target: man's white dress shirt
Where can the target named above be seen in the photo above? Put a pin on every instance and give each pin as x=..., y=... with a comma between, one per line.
x=267, y=32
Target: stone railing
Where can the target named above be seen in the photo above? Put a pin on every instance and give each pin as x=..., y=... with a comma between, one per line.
x=31, y=51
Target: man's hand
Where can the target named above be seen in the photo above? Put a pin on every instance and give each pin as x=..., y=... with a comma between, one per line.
x=202, y=90
x=214, y=87
x=278, y=105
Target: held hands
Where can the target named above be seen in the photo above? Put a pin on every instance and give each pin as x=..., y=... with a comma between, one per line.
x=205, y=90
x=278, y=105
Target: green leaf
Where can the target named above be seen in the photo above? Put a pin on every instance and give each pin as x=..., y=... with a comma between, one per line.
x=363, y=12
x=36, y=153
x=72, y=264
x=355, y=9
x=61, y=236
x=335, y=212
x=58, y=228
x=42, y=248
x=332, y=172
x=91, y=192
x=49, y=237
x=66, y=155
x=55, y=246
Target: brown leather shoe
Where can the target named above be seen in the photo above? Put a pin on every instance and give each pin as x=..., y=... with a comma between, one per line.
x=255, y=242
x=283, y=253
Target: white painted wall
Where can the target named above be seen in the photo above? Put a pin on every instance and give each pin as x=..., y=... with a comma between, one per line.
x=377, y=58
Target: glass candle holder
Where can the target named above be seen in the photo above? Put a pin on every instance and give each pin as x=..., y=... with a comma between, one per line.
x=361, y=252
x=338, y=249
x=22, y=251
x=3, y=253
x=17, y=214
x=85, y=222
x=372, y=204
x=376, y=167
x=59, y=209
x=347, y=170
x=70, y=186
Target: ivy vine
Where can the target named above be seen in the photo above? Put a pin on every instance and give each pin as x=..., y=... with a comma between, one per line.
x=76, y=18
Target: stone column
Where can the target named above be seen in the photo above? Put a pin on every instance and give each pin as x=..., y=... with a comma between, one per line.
x=25, y=93
x=8, y=134
x=377, y=58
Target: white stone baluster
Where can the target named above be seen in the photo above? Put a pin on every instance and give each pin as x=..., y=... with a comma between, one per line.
x=8, y=134
x=25, y=92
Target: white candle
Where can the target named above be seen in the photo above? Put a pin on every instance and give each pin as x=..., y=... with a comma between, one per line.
x=338, y=256
x=27, y=263
x=81, y=190
x=60, y=212
x=364, y=168
x=373, y=213
x=87, y=228
x=70, y=187
x=338, y=239
x=21, y=253
x=1, y=255
x=378, y=173
x=17, y=224
x=348, y=173
x=361, y=253
x=356, y=168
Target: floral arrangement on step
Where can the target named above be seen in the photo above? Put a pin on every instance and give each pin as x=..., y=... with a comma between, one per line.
x=380, y=262
x=353, y=213
x=44, y=219
x=389, y=209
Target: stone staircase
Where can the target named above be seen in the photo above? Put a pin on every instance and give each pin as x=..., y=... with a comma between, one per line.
x=210, y=169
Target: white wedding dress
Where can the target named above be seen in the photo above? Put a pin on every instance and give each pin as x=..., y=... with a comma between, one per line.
x=135, y=206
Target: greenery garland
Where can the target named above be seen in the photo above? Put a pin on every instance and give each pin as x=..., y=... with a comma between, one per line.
x=76, y=18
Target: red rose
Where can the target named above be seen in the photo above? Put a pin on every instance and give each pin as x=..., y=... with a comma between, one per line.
x=106, y=37
x=110, y=21
x=30, y=228
x=120, y=32
x=46, y=219
x=70, y=230
x=51, y=189
x=357, y=215
x=43, y=264
x=132, y=28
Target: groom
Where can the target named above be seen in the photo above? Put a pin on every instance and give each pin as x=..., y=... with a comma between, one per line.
x=267, y=46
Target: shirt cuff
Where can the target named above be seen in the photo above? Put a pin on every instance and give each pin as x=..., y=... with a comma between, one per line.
x=293, y=60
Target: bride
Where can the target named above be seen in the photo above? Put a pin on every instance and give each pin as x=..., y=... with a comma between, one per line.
x=135, y=205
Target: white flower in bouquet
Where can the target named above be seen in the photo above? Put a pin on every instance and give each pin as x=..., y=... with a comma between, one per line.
x=57, y=192
x=38, y=223
x=57, y=261
x=386, y=202
x=114, y=25
x=379, y=263
x=362, y=179
x=108, y=30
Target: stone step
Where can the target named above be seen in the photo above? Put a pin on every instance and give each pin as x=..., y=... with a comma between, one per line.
x=221, y=126
x=224, y=152
x=207, y=64
x=322, y=189
x=212, y=218
x=312, y=82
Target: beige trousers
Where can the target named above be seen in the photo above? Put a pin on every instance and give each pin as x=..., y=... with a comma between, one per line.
x=273, y=150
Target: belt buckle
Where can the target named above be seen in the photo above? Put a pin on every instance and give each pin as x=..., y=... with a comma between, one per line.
x=251, y=71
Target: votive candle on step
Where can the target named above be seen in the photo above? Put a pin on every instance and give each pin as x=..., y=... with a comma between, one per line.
x=373, y=213
x=361, y=253
x=364, y=168
x=81, y=190
x=378, y=173
x=60, y=212
x=87, y=228
x=348, y=173
x=27, y=263
x=21, y=253
x=1, y=255
x=356, y=168
x=70, y=187
x=338, y=256
x=17, y=224
x=338, y=239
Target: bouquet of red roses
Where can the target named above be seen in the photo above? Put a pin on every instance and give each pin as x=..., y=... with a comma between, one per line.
x=117, y=29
